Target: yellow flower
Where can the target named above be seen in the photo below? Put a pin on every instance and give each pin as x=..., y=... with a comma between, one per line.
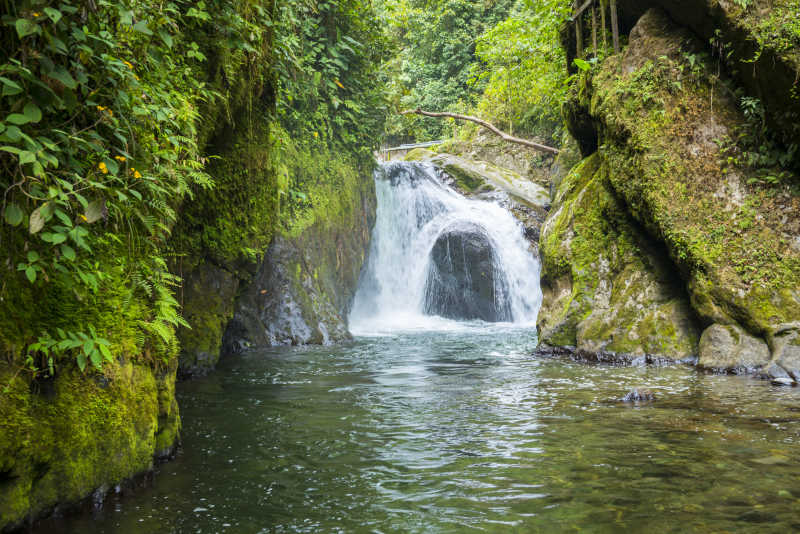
x=110, y=113
x=100, y=108
x=82, y=216
x=337, y=82
x=37, y=14
x=316, y=134
x=119, y=158
x=137, y=174
x=102, y=167
x=127, y=63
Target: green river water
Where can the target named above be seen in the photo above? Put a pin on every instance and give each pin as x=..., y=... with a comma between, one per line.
x=464, y=430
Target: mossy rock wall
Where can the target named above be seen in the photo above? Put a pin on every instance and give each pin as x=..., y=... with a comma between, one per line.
x=272, y=254
x=303, y=289
x=65, y=438
x=667, y=126
x=605, y=288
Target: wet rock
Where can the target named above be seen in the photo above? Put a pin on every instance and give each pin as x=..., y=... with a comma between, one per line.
x=639, y=395
x=286, y=304
x=729, y=348
x=786, y=348
x=776, y=371
x=207, y=295
x=604, y=357
x=783, y=381
x=462, y=280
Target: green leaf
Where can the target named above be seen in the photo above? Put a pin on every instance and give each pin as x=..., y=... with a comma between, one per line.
x=96, y=358
x=141, y=27
x=32, y=112
x=26, y=156
x=582, y=64
x=166, y=37
x=12, y=214
x=57, y=239
x=68, y=252
x=30, y=272
x=125, y=16
x=33, y=256
x=25, y=27
x=88, y=346
x=10, y=88
x=62, y=75
x=81, y=361
x=18, y=119
x=106, y=352
x=13, y=134
x=54, y=14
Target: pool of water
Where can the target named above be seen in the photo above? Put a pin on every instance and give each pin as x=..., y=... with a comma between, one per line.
x=463, y=430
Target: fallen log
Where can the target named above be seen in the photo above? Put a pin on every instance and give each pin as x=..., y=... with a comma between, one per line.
x=487, y=125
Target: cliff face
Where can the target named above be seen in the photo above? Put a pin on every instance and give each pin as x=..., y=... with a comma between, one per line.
x=169, y=199
x=303, y=251
x=673, y=155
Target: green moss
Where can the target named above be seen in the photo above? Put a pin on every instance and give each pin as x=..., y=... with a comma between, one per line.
x=61, y=439
x=664, y=117
x=604, y=288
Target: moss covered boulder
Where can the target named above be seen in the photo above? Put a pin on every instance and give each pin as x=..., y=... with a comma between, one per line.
x=605, y=288
x=673, y=149
x=474, y=176
x=65, y=438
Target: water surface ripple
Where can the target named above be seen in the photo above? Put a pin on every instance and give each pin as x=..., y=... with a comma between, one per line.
x=464, y=431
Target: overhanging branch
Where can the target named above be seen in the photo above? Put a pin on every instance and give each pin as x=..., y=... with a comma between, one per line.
x=487, y=125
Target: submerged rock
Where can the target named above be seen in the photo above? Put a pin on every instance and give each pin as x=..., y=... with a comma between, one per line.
x=462, y=281
x=639, y=395
x=784, y=381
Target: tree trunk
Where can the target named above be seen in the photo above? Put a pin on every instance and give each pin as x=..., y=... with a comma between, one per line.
x=615, y=26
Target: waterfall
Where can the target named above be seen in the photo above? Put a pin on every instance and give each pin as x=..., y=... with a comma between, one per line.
x=437, y=257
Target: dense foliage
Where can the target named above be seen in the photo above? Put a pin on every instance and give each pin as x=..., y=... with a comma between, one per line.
x=500, y=60
x=438, y=41
x=106, y=109
x=525, y=69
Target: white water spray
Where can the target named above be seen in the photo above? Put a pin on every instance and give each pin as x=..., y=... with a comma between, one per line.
x=414, y=210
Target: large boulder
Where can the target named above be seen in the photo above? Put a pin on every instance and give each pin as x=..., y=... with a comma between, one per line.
x=462, y=281
x=729, y=348
x=607, y=291
x=669, y=156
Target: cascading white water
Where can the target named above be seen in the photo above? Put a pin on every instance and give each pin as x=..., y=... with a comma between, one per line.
x=415, y=210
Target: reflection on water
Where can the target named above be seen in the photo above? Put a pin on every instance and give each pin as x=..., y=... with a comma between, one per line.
x=465, y=431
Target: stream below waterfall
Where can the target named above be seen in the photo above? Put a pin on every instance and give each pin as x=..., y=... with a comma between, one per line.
x=439, y=418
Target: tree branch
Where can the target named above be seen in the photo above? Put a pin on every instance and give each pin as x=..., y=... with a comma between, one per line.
x=488, y=126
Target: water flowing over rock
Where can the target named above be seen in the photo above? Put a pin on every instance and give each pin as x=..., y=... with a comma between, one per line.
x=463, y=282
x=436, y=253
